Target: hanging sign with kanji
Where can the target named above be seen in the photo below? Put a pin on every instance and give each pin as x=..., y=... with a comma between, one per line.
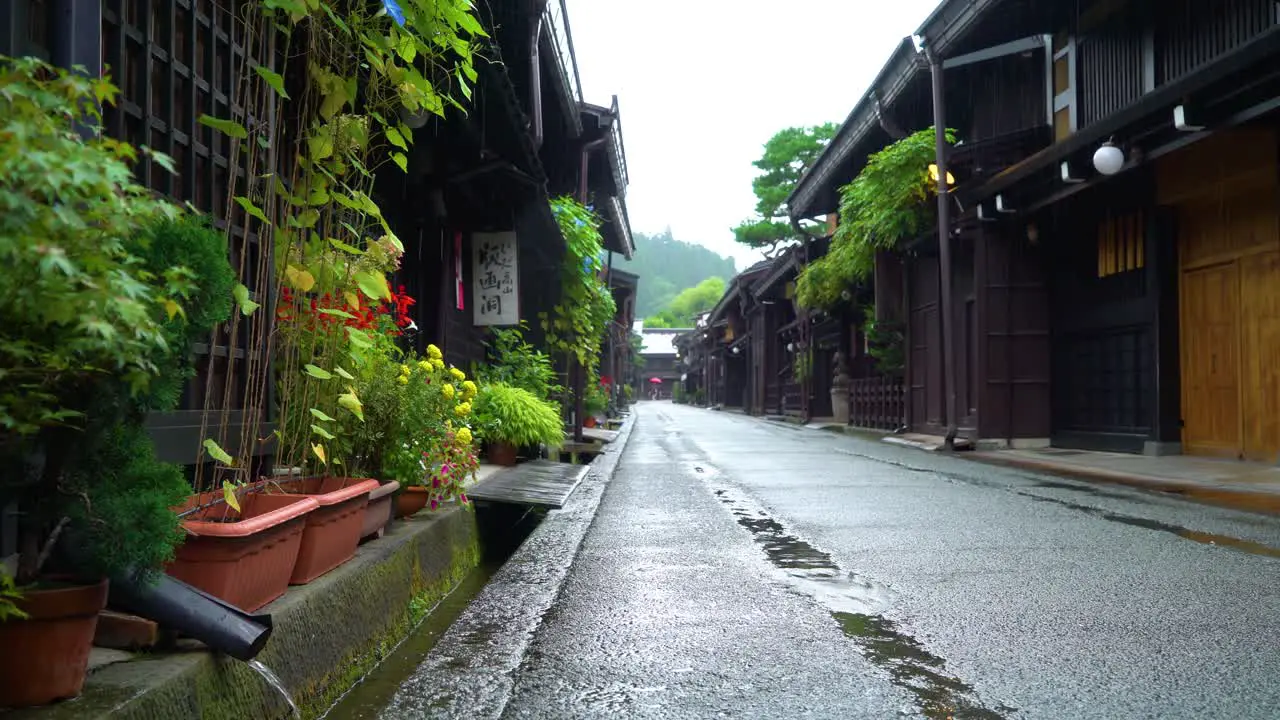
x=496, y=280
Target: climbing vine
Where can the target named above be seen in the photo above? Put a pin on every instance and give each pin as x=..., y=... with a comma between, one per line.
x=373, y=71
x=884, y=205
x=577, y=324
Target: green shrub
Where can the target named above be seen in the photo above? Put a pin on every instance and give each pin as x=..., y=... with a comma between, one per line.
x=513, y=415
x=519, y=364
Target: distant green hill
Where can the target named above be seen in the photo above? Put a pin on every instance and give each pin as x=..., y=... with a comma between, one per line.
x=667, y=266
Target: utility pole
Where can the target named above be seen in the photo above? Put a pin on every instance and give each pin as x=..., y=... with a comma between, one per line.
x=944, y=244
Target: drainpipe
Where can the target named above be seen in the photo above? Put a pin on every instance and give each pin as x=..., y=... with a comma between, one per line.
x=535, y=72
x=944, y=245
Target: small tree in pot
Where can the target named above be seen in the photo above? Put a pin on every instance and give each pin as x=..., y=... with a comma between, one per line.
x=92, y=336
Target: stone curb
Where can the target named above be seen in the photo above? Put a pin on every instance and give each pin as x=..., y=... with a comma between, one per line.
x=1234, y=498
x=472, y=669
x=1254, y=501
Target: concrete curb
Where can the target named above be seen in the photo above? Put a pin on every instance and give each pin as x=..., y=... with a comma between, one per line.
x=472, y=669
x=1234, y=498
x=327, y=634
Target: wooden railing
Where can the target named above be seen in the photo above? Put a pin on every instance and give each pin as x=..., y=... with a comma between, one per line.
x=879, y=403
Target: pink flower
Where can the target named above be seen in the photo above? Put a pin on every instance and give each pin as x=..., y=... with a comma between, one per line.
x=435, y=483
x=445, y=469
x=464, y=498
x=433, y=503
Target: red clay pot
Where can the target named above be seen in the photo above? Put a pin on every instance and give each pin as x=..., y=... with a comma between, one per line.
x=45, y=656
x=500, y=453
x=244, y=558
x=333, y=529
x=378, y=512
x=410, y=500
x=589, y=422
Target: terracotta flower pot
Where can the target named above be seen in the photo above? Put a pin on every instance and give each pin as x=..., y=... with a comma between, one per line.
x=410, y=500
x=45, y=656
x=500, y=453
x=244, y=558
x=379, y=510
x=589, y=422
x=332, y=530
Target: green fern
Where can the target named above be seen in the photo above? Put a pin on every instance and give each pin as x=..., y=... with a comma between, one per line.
x=516, y=416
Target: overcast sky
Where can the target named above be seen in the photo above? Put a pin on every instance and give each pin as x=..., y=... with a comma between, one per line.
x=702, y=84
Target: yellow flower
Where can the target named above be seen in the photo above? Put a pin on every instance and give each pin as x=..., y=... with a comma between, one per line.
x=463, y=409
x=424, y=365
x=468, y=390
x=404, y=369
x=437, y=363
x=403, y=379
x=433, y=352
x=457, y=374
x=447, y=391
x=464, y=435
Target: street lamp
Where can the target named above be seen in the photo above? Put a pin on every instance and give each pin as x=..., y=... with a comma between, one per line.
x=1108, y=159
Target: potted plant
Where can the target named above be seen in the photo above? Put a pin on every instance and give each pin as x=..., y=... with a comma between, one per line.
x=93, y=321
x=594, y=404
x=509, y=418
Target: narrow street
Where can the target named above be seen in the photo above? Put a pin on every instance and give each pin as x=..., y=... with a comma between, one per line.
x=741, y=568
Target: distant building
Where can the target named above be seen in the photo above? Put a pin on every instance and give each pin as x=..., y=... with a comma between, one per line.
x=660, y=362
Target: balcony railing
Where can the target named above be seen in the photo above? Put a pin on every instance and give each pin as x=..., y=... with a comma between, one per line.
x=556, y=19
x=878, y=403
x=618, y=146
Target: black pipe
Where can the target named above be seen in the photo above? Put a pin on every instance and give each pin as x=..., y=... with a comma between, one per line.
x=535, y=73
x=192, y=612
x=944, y=245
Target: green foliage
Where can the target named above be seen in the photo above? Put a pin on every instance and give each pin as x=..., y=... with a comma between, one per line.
x=802, y=365
x=786, y=156
x=75, y=305
x=595, y=401
x=682, y=309
x=667, y=266
x=9, y=597
x=125, y=520
x=517, y=417
x=518, y=363
x=886, y=343
x=884, y=205
x=578, y=322
x=191, y=242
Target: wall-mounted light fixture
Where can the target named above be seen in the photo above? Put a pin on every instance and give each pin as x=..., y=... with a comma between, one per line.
x=791, y=347
x=1108, y=159
x=933, y=175
x=737, y=349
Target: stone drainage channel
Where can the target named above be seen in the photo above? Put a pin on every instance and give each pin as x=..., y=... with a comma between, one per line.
x=503, y=528
x=857, y=604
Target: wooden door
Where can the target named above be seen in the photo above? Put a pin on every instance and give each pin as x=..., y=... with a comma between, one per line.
x=1211, y=361
x=1260, y=346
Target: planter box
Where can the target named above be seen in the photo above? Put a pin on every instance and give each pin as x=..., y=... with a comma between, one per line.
x=244, y=558
x=333, y=529
x=379, y=510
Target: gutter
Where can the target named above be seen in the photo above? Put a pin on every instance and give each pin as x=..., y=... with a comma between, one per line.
x=535, y=72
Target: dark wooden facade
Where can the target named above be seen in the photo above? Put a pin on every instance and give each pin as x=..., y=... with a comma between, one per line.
x=1092, y=311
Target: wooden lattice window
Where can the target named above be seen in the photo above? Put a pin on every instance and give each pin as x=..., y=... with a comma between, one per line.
x=174, y=61
x=1121, y=244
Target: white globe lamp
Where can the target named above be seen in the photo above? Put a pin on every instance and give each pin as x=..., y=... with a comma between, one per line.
x=1108, y=159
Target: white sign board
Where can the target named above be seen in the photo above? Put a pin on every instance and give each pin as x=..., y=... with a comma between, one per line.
x=496, y=278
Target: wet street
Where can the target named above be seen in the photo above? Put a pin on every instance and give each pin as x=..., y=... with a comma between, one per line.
x=741, y=568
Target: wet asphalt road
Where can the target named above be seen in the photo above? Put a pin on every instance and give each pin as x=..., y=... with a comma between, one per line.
x=739, y=568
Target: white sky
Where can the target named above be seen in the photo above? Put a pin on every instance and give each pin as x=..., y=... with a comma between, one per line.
x=702, y=84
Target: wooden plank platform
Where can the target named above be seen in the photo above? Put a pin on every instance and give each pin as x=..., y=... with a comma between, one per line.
x=537, y=482
x=599, y=434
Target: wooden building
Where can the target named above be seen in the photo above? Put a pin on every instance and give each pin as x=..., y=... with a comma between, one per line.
x=528, y=136
x=1115, y=233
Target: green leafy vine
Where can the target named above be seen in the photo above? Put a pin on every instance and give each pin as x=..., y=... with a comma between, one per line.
x=884, y=205
x=577, y=325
